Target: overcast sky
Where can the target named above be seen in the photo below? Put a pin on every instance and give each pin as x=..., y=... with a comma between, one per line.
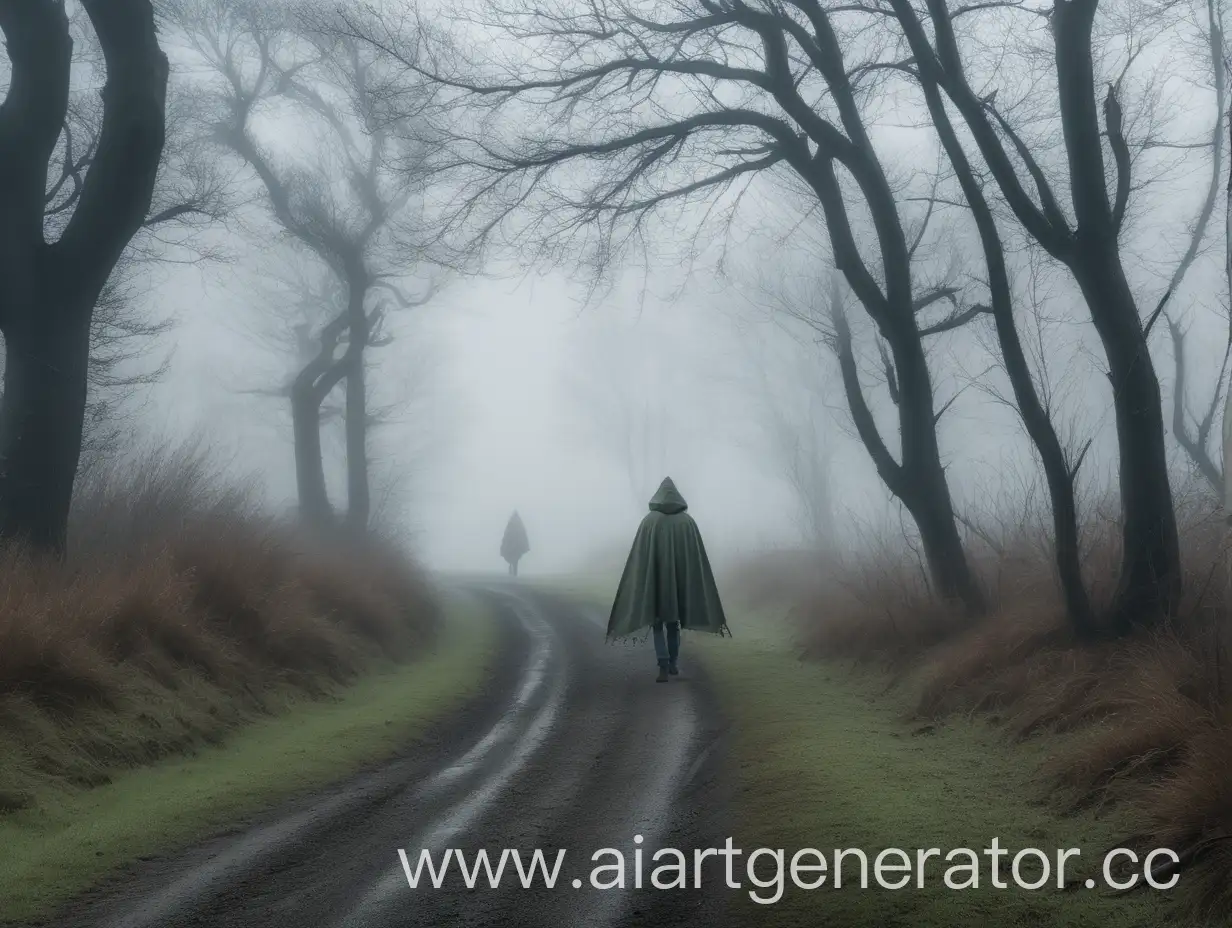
x=517, y=405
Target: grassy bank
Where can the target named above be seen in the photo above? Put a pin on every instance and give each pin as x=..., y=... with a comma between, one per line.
x=1136, y=724
x=824, y=758
x=183, y=613
x=65, y=843
x=192, y=659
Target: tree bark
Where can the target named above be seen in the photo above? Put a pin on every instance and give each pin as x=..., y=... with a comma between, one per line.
x=309, y=390
x=312, y=385
x=41, y=425
x=48, y=291
x=926, y=492
x=314, y=505
x=1035, y=417
x=919, y=481
x=359, y=494
x=1150, y=580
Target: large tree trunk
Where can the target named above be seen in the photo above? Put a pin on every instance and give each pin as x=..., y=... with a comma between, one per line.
x=359, y=497
x=309, y=390
x=314, y=505
x=1150, y=584
x=919, y=481
x=1150, y=581
x=48, y=291
x=1035, y=417
x=313, y=384
x=925, y=491
x=41, y=424
x=943, y=547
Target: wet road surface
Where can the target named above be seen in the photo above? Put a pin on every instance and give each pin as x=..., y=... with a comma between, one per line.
x=572, y=745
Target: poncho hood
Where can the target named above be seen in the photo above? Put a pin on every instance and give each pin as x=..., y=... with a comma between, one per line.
x=667, y=499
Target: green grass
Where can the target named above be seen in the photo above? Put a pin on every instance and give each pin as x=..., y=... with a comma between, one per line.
x=58, y=848
x=591, y=588
x=823, y=758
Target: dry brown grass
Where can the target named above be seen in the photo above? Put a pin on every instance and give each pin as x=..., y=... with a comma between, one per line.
x=181, y=613
x=1148, y=717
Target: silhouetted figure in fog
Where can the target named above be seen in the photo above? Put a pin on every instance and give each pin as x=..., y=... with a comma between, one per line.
x=667, y=583
x=514, y=544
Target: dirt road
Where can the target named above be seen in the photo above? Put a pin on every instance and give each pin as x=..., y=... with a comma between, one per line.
x=572, y=746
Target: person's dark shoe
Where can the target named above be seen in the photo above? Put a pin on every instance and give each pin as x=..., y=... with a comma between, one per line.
x=673, y=669
x=662, y=677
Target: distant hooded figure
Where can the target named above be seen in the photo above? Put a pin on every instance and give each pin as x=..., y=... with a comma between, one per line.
x=514, y=544
x=667, y=583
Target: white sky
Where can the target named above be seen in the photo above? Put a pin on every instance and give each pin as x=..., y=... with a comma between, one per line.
x=512, y=427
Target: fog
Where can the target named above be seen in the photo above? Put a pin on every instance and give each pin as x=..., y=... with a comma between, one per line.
x=512, y=427
x=517, y=385
x=529, y=377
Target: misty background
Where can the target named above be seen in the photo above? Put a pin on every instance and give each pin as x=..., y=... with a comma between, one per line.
x=522, y=389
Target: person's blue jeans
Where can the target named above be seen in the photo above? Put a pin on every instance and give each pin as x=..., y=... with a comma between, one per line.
x=667, y=642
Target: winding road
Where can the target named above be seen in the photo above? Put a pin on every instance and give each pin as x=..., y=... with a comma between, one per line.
x=571, y=746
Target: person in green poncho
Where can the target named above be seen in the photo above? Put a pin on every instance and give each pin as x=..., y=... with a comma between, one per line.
x=667, y=584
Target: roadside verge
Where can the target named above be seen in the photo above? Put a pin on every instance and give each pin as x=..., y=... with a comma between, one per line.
x=821, y=756
x=55, y=850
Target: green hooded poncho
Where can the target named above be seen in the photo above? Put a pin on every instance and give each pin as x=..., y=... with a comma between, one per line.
x=667, y=577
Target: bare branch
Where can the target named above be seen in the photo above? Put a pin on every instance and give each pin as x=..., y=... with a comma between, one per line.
x=934, y=296
x=1120, y=152
x=955, y=320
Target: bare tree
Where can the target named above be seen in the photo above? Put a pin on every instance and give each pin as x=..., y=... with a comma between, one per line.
x=1059, y=470
x=1193, y=432
x=640, y=113
x=69, y=208
x=297, y=304
x=341, y=200
x=1150, y=580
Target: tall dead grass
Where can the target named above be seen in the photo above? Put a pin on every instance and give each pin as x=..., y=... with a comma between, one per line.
x=182, y=611
x=1149, y=717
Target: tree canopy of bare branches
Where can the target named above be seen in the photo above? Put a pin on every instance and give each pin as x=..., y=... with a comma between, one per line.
x=351, y=195
x=612, y=114
x=602, y=124
x=1099, y=179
